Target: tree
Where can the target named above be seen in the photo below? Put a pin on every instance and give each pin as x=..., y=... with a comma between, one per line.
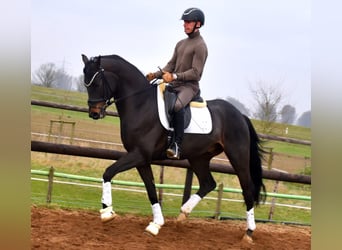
x=45, y=75
x=80, y=84
x=267, y=99
x=305, y=119
x=241, y=107
x=63, y=80
x=288, y=114
x=50, y=76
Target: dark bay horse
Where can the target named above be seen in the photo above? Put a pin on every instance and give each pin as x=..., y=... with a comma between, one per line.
x=145, y=139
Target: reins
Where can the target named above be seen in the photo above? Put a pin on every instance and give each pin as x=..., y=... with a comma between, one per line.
x=152, y=84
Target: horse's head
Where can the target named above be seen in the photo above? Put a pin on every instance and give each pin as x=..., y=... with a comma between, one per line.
x=96, y=80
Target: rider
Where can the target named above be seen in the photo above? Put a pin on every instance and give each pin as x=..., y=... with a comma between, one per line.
x=184, y=72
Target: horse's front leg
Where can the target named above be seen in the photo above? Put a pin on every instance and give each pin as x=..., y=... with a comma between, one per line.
x=146, y=175
x=126, y=162
x=107, y=213
x=207, y=184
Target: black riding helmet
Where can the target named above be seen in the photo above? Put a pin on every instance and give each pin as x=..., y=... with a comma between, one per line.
x=193, y=14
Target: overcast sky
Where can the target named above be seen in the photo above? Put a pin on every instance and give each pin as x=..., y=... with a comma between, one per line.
x=249, y=41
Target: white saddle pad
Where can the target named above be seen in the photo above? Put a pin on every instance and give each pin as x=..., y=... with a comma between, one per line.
x=200, y=122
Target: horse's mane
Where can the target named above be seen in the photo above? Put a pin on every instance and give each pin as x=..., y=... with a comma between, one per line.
x=124, y=61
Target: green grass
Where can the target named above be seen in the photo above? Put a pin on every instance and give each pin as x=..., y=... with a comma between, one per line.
x=61, y=114
x=294, y=131
x=70, y=196
x=289, y=148
x=75, y=197
x=58, y=96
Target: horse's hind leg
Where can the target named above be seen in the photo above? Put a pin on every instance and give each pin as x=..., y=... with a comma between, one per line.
x=146, y=175
x=240, y=162
x=207, y=183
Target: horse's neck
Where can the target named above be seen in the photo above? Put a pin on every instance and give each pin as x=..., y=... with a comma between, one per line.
x=132, y=91
x=131, y=88
x=122, y=67
x=137, y=104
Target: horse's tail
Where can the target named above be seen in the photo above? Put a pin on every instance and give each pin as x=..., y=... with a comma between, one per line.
x=255, y=163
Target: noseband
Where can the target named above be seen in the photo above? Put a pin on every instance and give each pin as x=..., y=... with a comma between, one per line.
x=96, y=104
x=106, y=90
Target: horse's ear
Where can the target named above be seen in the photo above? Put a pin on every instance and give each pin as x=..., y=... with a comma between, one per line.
x=85, y=58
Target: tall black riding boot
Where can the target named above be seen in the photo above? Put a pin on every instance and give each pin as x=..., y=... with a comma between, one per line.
x=174, y=150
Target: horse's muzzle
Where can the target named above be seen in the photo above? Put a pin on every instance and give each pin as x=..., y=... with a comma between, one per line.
x=95, y=115
x=97, y=111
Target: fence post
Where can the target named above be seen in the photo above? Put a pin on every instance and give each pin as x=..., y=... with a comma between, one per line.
x=275, y=189
x=270, y=215
x=50, y=183
x=270, y=159
x=219, y=201
x=50, y=130
x=72, y=131
x=60, y=129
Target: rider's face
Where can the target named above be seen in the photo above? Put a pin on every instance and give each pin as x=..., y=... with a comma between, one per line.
x=189, y=26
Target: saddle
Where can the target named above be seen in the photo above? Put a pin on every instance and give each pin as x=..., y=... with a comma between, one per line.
x=197, y=118
x=170, y=97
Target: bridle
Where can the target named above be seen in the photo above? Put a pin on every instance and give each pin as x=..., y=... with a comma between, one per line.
x=106, y=99
x=94, y=76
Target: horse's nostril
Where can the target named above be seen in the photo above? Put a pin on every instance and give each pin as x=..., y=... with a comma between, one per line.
x=95, y=116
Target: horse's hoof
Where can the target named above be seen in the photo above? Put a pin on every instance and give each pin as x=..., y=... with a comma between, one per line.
x=153, y=228
x=248, y=239
x=107, y=214
x=182, y=216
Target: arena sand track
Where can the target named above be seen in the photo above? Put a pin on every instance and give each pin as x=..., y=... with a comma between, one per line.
x=66, y=229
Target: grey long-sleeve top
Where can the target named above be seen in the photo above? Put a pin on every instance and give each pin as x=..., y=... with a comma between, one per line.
x=188, y=60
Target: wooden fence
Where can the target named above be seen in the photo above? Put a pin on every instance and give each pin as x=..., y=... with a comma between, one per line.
x=114, y=155
x=112, y=113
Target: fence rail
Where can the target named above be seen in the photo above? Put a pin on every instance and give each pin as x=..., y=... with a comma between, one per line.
x=159, y=185
x=113, y=113
x=114, y=155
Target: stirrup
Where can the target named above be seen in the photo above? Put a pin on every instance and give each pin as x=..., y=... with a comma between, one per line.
x=173, y=151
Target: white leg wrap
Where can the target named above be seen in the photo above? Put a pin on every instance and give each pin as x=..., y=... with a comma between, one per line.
x=190, y=204
x=153, y=228
x=107, y=214
x=157, y=214
x=250, y=219
x=106, y=193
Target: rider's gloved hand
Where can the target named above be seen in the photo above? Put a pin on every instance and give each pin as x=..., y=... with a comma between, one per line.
x=150, y=76
x=169, y=77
